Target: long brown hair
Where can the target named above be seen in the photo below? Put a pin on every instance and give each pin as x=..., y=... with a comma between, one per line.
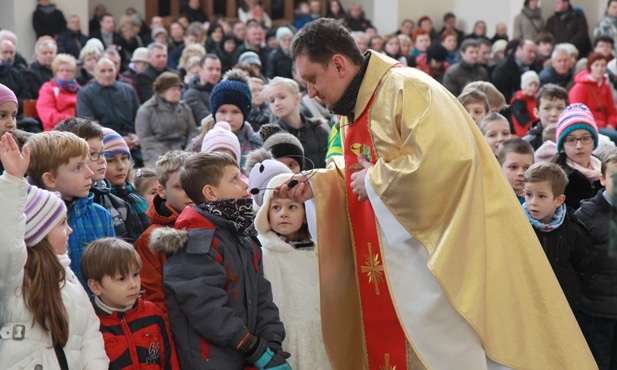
x=43, y=276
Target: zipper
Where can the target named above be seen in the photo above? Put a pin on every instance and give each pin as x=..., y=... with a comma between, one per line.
x=132, y=348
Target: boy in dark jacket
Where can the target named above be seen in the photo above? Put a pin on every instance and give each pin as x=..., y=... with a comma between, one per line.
x=563, y=237
x=598, y=308
x=551, y=100
x=135, y=331
x=218, y=302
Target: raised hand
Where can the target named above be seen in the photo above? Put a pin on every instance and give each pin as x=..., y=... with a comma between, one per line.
x=12, y=159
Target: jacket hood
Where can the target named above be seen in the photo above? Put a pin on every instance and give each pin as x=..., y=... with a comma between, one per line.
x=167, y=240
x=160, y=213
x=583, y=77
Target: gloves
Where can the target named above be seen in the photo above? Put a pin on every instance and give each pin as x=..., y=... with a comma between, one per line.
x=271, y=361
x=262, y=356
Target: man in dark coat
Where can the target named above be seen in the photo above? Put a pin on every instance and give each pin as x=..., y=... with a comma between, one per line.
x=107, y=33
x=47, y=20
x=198, y=94
x=157, y=64
x=72, y=40
x=569, y=25
x=507, y=74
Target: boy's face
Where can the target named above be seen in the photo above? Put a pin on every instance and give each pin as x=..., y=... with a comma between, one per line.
x=231, y=186
x=117, y=291
x=607, y=178
x=72, y=180
x=545, y=49
x=495, y=133
x=173, y=193
x=117, y=169
x=541, y=202
x=286, y=217
x=549, y=110
x=282, y=102
x=230, y=114
x=477, y=111
x=514, y=168
x=100, y=165
x=531, y=89
x=293, y=164
x=8, y=114
x=58, y=237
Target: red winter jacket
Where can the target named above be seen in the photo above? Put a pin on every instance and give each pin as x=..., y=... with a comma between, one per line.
x=138, y=338
x=599, y=99
x=521, y=107
x=55, y=104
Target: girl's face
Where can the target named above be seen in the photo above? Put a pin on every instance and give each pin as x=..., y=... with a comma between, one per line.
x=480, y=29
x=578, y=152
x=230, y=114
x=285, y=42
x=423, y=42
x=58, y=237
x=282, y=102
x=8, y=117
x=150, y=190
x=291, y=163
x=335, y=8
x=495, y=133
x=598, y=69
x=393, y=47
x=117, y=169
x=406, y=48
x=217, y=35
x=229, y=46
x=257, y=98
x=286, y=217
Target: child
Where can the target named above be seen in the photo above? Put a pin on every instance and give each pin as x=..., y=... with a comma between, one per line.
x=547, y=151
x=44, y=308
x=563, y=237
x=495, y=129
x=284, y=147
x=118, y=166
x=93, y=134
x=145, y=183
x=279, y=60
x=515, y=157
x=8, y=114
x=262, y=168
x=475, y=103
x=164, y=209
x=283, y=96
x=221, y=139
x=551, y=100
x=290, y=264
x=260, y=113
x=523, y=103
x=577, y=137
x=219, y=303
x=598, y=307
x=135, y=331
x=59, y=163
x=496, y=100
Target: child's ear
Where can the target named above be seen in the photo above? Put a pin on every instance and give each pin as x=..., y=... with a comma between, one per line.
x=94, y=286
x=536, y=112
x=602, y=180
x=560, y=200
x=49, y=181
x=160, y=190
x=208, y=193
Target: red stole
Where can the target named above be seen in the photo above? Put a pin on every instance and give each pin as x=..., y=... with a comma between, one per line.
x=384, y=337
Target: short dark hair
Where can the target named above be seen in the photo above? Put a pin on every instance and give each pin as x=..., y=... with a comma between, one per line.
x=448, y=15
x=603, y=38
x=208, y=56
x=83, y=127
x=323, y=38
x=106, y=15
x=518, y=146
x=552, y=92
x=108, y=257
x=469, y=43
x=201, y=169
x=544, y=38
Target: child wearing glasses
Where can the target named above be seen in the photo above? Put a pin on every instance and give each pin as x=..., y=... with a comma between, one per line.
x=577, y=137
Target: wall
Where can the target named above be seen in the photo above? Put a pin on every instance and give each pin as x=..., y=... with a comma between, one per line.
x=117, y=7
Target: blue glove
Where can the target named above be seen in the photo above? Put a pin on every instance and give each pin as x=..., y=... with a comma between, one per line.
x=271, y=361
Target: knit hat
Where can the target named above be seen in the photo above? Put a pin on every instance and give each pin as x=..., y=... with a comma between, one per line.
x=499, y=45
x=221, y=137
x=436, y=52
x=283, y=31
x=44, y=210
x=164, y=81
x=262, y=223
x=529, y=77
x=250, y=57
x=114, y=143
x=140, y=55
x=7, y=95
x=283, y=145
x=95, y=43
x=231, y=92
x=158, y=30
x=262, y=173
x=576, y=117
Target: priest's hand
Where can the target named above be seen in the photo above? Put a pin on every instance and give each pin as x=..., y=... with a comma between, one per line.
x=358, y=178
x=297, y=189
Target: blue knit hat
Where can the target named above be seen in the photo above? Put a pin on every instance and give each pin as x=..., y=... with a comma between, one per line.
x=231, y=92
x=575, y=117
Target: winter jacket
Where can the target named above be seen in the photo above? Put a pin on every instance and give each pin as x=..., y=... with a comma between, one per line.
x=137, y=221
x=116, y=39
x=162, y=126
x=314, y=139
x=160, y=215
x=579, y=187
x=571, y=27
x=599, y=288
x=259, y=116
x=279, y=64
x=70, y=42
x=114, y=106
x=607, y=27
x=528, y=24
x=85, y=348
x=138, y=338
x=357, y=24
x=549, y=76
x=198, y=98
x=521, y=108
x=55, y=104
x=36, y=76
x=599, y=98
x=83, y=77
x=534, y=135
x=144, y=80
x=215, y=289
x=422, y=65
x=117, y=208
x=48, y=21
x=507, y=76
x=462, y=73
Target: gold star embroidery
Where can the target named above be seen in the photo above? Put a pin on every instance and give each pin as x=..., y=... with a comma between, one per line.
x=373, y=269
x=387, y=365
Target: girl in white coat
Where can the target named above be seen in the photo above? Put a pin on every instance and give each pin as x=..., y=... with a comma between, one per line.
x=290, y=264
x=46, y=319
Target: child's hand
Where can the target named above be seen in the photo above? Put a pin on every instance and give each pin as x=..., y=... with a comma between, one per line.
x=13, y=161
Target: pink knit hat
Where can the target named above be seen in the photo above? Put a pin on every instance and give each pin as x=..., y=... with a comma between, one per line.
x=575, y=117
x=44, y=210
x=114, y=143
x=221, y=137
x=7, y=95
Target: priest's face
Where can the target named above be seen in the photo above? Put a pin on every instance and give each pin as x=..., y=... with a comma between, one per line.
x=328, y=83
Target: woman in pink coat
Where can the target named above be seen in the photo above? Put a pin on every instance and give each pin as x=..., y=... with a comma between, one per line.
x=58, y=97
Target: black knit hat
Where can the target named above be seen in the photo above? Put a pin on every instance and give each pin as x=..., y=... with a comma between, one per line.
x=436, y=52
x=283, y=145
x=231, y=92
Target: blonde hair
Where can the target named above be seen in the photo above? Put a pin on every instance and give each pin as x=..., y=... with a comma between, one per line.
x=191, y=51
x=108, y=257
x=89, y=51
x=192, y=62
x=491, y=118
x=61, y=59
x=169, y=163
x=49, y=150
x=141, y=178
x=495, y=98
x=291, y=85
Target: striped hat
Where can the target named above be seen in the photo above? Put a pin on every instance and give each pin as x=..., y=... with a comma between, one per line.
x=114, y=143
x=44, y=210
x=576, y=117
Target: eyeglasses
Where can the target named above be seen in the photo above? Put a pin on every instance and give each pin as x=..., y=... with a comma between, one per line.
x=572, y=141
x=95, y=156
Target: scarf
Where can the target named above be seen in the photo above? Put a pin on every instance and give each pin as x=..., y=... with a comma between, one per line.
x=64, y=259
x=237, y=211
x=347, y=103
x=558, y=217
x=592, y=174
x=68, y=85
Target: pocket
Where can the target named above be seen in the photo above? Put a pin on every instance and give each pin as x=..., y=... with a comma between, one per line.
x=34, y=361
x=152, y=342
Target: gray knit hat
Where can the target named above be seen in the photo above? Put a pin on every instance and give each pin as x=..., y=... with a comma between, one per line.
x=283, y=145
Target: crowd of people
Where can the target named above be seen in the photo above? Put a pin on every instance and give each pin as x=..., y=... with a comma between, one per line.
x=144, y=223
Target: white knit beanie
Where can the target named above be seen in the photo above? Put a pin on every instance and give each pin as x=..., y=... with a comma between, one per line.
x=529, y=77
x=44, y=210
x=262, y=173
